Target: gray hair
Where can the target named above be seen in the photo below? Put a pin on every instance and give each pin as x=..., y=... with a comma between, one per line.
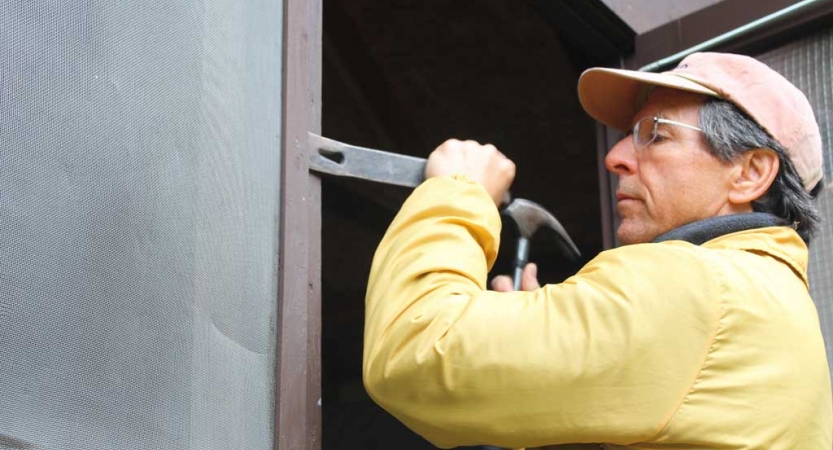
x=730, y=132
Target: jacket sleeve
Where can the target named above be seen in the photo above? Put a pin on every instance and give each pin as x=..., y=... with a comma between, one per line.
x=607, y=356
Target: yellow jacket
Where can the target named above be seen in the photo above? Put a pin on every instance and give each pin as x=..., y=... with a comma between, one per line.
x=649, y=346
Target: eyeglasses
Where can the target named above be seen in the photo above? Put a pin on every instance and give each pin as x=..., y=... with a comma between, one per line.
x=645, y=130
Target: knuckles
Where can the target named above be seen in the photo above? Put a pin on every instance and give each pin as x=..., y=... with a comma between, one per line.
x=451, y=145
x=456, y=151
x=455, y=145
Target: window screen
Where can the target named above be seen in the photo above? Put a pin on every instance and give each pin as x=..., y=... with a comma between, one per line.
x=139, y=161
x=808, y=63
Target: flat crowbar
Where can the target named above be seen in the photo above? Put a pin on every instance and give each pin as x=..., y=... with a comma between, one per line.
x=331, y=157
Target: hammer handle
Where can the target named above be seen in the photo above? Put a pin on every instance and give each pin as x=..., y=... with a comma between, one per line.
x=521, y=258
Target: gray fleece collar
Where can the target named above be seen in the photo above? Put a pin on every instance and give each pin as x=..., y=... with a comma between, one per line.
x=705, y=230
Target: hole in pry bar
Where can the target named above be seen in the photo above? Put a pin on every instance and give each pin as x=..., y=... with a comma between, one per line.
x=333, y=155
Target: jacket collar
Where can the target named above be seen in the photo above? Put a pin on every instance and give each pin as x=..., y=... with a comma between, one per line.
x=705, y=230
x=755, y=232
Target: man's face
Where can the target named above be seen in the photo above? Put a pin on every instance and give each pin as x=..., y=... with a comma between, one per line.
x=673, y=181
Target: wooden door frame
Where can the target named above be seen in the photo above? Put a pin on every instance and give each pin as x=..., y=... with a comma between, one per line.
x=298, y=361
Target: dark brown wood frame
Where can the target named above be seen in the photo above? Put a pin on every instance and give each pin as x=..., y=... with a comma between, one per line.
x=723, y=17
x=298, y=362
x=298, y=366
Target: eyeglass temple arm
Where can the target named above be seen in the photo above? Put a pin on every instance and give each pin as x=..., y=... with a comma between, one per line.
x=674, y=122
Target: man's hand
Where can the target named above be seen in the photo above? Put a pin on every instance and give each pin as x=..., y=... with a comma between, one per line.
x=529, y=280
x=483, y=164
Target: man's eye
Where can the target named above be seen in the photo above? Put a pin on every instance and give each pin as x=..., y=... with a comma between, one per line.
x=660, y=138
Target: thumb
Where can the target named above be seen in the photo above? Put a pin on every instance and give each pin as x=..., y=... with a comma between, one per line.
x=529, y=278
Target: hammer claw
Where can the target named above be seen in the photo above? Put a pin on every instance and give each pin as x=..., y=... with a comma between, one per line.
x=530, y=216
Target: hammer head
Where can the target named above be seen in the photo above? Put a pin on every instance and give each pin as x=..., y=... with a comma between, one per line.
x=530, y=216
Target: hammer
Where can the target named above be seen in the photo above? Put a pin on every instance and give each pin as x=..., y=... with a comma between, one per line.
x=332, y=157
x=529, y=217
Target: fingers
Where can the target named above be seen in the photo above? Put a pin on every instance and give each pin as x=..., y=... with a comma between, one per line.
x=529, y=280
x=502, y=283
x=483, y=164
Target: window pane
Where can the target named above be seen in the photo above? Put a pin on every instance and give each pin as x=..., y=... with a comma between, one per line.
x=138, y=222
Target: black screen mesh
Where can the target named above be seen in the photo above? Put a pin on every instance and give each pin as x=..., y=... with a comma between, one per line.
x=808, y=63
x=139, y=161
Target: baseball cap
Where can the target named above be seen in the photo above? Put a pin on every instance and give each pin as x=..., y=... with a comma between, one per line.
x=614, y=96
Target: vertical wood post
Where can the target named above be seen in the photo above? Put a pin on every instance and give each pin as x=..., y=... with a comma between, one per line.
x=298, y=369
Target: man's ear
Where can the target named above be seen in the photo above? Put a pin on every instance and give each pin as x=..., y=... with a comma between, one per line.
x=753, y=174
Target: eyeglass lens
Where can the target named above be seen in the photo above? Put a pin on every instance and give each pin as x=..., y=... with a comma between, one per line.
x=643, y=132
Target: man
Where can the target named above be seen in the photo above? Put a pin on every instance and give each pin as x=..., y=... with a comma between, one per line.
x=699, y=334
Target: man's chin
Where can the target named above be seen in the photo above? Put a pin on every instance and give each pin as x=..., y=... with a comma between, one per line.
x=629, y=235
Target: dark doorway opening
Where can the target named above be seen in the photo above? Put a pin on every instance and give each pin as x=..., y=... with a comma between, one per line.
x=406, y=75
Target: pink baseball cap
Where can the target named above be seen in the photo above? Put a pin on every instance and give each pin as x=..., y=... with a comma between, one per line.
x=614, y=96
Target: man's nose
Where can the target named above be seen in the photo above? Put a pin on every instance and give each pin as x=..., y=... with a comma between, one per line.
x=621, y=159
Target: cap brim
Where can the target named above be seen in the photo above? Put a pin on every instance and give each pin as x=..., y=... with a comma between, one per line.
x=614, y=96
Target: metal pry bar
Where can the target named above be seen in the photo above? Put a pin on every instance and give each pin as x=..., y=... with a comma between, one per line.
x=332, y=157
